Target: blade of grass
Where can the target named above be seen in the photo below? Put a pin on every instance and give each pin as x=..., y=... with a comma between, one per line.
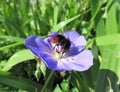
x=64, y=23
x=12, y=45
x=47, y=81
x=12, y=38
x=19, y=83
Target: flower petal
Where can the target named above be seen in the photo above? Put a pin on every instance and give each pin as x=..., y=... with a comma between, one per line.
x=53, y=34
x=63, y=66
x=75, y=50
x=42, y=50
x=80, y=62
x=50, y=62
x=71, y=35
x=30, y=41
x=80, y=41
x=36, y=42
x=75, y=38
x=43, y=45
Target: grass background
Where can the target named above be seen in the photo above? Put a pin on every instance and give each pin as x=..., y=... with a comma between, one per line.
x=97, y=20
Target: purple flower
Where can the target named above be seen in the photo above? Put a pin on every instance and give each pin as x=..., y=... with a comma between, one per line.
x=62, y=52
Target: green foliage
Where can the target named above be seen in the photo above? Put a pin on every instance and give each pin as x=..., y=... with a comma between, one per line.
x=97, y=20
x=18, y=57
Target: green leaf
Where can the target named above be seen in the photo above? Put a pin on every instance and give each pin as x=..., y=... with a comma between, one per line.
x=19, y=83
x=109, y=74
x=108, y=40
x=57, y=89
x=75, y=90
x=65, y=85
x=18, y=57
x=111, y=21
x=2, y=63
x=94, y=6
x=100, y=26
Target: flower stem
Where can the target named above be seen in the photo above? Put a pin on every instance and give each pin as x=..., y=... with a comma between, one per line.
x=47, y=81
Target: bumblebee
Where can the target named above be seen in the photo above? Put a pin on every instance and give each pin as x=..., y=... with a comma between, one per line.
x=60, y=40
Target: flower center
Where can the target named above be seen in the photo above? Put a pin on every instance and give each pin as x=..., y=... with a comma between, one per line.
x=58, y=56
x=60, y=51
x=60, y=45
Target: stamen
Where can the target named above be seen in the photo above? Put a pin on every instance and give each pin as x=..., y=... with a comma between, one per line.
x=59, y=49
